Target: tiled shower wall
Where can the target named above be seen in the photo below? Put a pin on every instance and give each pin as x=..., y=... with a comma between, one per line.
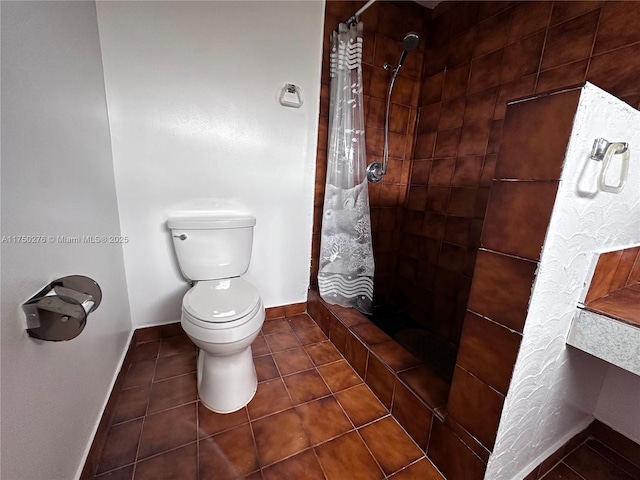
x=479, y=55
x=385, y=26
x=427, y=214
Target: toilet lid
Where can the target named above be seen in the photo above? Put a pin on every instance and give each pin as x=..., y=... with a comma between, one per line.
x=221, y=301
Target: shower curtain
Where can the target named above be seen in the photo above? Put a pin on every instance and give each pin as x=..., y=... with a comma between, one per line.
x=346, y=269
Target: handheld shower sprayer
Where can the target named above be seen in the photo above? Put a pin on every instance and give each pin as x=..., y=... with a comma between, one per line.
x=376, y=170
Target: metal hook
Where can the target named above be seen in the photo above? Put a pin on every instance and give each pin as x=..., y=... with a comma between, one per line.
x=600, y=147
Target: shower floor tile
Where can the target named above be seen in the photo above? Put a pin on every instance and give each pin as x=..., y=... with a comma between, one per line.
x=312, y=417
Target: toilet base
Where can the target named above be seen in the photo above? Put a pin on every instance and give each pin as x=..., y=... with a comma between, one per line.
x=226, y=383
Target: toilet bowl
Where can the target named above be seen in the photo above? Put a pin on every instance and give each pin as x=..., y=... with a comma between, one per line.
x=222, y=313
x=226, y=374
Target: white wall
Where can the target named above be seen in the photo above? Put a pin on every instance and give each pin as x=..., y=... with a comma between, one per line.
x=192, y=91
x=619, y=402
x=57, y=179
x=555, y=390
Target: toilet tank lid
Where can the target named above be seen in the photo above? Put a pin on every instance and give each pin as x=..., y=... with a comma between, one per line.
x=209, y=213
x=203, y=222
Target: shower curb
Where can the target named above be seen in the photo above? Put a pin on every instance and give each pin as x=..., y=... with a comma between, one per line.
x=383, y=373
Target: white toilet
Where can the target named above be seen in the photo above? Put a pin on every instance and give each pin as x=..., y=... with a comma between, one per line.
x=222, y=314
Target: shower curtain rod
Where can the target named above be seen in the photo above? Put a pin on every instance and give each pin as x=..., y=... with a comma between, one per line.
x=354, y=17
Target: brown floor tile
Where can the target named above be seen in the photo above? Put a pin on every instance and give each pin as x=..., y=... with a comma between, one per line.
x=271, y=397
x=323, y=419
x=348, y=457
x=361, y=405
x=171, y=330
x=349, y=316
x=339, y=375
x=121, y=446
x=181, y=463
x=265, y=368
x=146, y=351
x=259, y=347
x=430, y=387
x=562, y=472
x=621, y=444
x=422, y=469
x=371, y=334
x=282, y=341
x=167, y=430
x=305, y=386
x=279, y=436
x=254, y=476
x=615, y=458
x=293, y=361
x=390, y=444
x=132, y=403
x=175, y=345
x=140, y=373
x=278, y=325
x=125, y=473
x=592, y=465
x=174, y=365
x=171, y=425
x=228, y=456
x=323, y=352
x=173, y=392
x=303, y=465
x=301, y=321
x=210, y=423
x=310, y=335
x=395, y=356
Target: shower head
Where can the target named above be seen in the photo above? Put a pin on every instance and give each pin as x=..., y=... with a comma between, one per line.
x=409, y=42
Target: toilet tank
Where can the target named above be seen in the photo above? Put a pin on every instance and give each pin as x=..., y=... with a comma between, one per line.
x=212, y=244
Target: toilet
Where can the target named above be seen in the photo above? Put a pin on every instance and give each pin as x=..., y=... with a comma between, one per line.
x=222, y=313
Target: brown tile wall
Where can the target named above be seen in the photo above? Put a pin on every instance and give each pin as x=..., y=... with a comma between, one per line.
x=614, y=270
x=462, y=236
x=385, y=25
x=504, y=273
x=479, y=55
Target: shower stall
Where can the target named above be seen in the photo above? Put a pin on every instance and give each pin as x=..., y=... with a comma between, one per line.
x=419, y=298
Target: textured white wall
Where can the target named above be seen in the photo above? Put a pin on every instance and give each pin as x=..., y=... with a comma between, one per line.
x=555, y=389
x=57, y=179
x=192, y=90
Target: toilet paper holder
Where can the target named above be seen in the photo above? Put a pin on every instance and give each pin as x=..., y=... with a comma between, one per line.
x=59, y=311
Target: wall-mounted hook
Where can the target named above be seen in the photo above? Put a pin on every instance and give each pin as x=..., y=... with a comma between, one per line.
x=604, y=151
x=290, y=96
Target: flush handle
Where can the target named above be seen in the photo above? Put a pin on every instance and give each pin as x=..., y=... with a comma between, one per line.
x=182, y=236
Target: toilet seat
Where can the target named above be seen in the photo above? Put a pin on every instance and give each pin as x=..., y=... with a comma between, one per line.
x=221, y=304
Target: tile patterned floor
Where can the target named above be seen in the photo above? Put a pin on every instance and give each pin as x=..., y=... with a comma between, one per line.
x=593, y=460
x=312, y=418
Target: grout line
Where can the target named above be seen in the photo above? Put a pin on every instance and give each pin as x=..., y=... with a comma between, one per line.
x=544, y=46
x=593, y=44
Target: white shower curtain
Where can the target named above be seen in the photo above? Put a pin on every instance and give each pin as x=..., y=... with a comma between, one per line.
x=346, y=269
